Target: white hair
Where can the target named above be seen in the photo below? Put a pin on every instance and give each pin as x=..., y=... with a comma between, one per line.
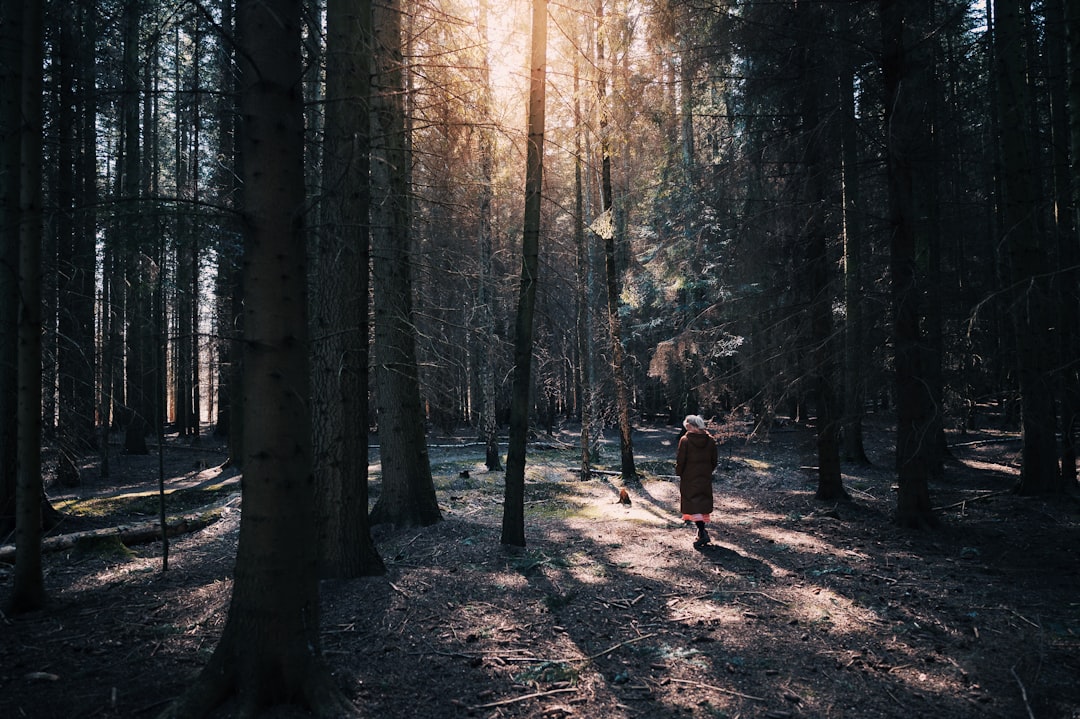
x=694, y=420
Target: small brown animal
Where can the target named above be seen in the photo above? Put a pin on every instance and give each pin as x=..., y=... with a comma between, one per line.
x=624, y=497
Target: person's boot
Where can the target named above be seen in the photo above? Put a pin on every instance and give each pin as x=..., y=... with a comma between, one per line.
x=702, y=535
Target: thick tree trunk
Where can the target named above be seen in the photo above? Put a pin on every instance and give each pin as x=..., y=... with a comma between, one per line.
x=852, y=448
x=28, y=586
x=813, y=89
x=906, y=133
x=10, y=125
x=513, y=520
x=1026, y=250
x=269, y=650
x=75, y=251
x=618, y=353
x=408, y=490
x=340, y=275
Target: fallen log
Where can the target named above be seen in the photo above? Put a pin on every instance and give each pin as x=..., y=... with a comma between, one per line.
x=129, y=534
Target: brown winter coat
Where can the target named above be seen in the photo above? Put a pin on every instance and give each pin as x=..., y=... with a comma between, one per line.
x=694, y=463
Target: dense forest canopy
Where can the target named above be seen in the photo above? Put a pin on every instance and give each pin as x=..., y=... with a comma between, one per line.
x=761, y=160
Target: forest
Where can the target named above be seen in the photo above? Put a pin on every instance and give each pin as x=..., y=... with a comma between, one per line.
x=313, y=237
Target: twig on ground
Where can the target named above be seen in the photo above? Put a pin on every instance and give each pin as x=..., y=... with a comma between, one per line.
x=973, y=499
x=522, y=698
x=1020, y=616
x=763, y=594
x=609, y=650
x=722, y=690
x=1023, y=692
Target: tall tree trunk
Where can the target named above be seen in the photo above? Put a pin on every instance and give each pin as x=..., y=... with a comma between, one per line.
x=268, y=653
x=1025, y=245
x=75, y=253
x=339, y=319
x=28, y=585
x=852, y=449
x=584, y=298
x=906, y=136
x=608, y=234
x=408, y=490
x=1072, y=329
x=137, y=264
x=228, y=317
x=819, y=283
x=485, y=300
x=10, y=128
x=1063, y=70
x=183, y=297
x=513, y=520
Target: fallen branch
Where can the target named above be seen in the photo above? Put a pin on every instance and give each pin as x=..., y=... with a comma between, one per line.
x=609, y=650
x=973, y=499
x=524, y=697
x=722, y=690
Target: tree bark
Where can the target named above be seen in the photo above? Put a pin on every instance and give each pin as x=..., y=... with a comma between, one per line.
x=852, y=449
x=10, y=124
x=269, y=649
x=485, y=299
x=513, y=520
x=1025, y=245
x=1063, y=71
x=618, y=352
x=136, y=262
x=819, y=283
x=905, y=137
x=408, y=490
x=340, y=284
x=583, y=317
x=28, y=586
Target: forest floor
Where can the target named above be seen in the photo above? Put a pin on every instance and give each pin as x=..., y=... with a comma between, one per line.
x=798, y=609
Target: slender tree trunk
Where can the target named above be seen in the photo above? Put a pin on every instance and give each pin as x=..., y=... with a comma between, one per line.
x=1063, y=70
x=408, y=490
x=268, y=653
x=226, y=281
x=485, y=300
x=513, y=522
x=136, y=262
x=852, y=449
x=905, y=137
x=28, y=586
x=340, y=284
x=583, y=276
x=813, y=90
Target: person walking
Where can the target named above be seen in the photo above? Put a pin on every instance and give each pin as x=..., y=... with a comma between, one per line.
x=695, y=461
